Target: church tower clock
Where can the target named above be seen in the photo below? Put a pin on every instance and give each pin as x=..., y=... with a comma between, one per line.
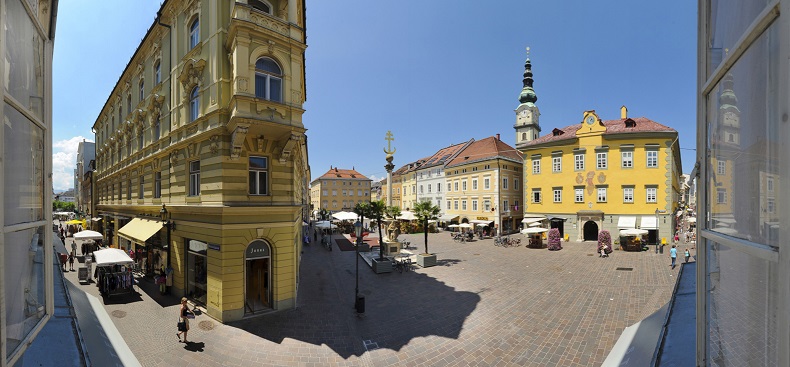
x=527, y=114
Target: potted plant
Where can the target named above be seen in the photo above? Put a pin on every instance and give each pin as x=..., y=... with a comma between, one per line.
x=554, y=240
x=605, y=242
x=425, y=211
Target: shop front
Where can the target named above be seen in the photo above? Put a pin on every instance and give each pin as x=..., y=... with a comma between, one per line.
x=140, y=236
x=197, y=271
x=257, y=270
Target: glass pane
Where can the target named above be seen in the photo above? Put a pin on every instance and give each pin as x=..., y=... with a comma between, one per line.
x=23, y=262
x=728, y=20
x=275, y=89
x=253, y=182
x=23, y=172
x=263, y=184
x=268, y=65
x=744, y=147
x=260, y=85
x=24, y=59
x=258, y=163
x=741, y=308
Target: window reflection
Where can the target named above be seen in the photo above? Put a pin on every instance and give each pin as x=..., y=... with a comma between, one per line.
x=23, y=262
x=727, y=21
x=744, y=151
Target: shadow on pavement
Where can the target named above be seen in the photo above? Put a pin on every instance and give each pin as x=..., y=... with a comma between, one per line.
x=194, y=347
x=447, y=262
x=398, y=307
x=152, y=290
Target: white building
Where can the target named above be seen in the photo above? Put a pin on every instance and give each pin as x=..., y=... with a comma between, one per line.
x=430, y=175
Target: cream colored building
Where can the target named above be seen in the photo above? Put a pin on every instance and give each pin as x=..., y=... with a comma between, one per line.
x=339, y=190
x=201, y=156
x=482, y=185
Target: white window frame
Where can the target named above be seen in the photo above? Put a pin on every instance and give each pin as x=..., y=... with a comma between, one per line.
x=474, y=205
x=628, y=195
x=627, y=159
x=504, y=183
x=602, y=197
x=535, y=166
x=556, y=164
x=557, y=195
x=194, y=178
x=652, y=158
x=651, y=195
x=578, y=195
x=578, y=162
x=721, y=168
x=601, y=160
x=486, y=183
x=536, y=196
x=259, y=173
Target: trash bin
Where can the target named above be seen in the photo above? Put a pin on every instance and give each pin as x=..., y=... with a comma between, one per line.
x=360, y=304
x=661, y=249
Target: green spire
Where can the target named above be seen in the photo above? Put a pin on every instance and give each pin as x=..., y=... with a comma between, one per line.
x=528, y=95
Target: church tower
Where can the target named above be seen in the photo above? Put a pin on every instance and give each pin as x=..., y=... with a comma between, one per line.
x=527, y=114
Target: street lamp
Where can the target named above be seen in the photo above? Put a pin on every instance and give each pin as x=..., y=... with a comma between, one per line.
x=166, y=223
x=359, y=302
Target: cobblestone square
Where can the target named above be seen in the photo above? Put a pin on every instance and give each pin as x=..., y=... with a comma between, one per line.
x=482, y=305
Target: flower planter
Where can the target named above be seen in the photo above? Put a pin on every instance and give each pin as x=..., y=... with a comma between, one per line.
x=382, y=266
x=426, y=260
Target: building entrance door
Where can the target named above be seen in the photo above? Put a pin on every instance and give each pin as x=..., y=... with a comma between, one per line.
x=257, y=285
x=560, y=225
x=590, y=231
x=257, y=271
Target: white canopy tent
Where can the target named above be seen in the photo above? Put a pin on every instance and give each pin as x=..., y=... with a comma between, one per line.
x=533, y=230
x=535, y=224
x=88, y=235
x=633, y=232
x=533, y=219
x=111, y=256
x=407, y=215
x=345, y=216
x=464, y=225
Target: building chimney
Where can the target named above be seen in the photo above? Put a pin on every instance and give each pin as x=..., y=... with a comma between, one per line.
x=497, y=136
x=623, y=112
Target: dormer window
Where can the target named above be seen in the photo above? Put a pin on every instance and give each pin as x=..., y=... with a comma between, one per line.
x=630, y=123
x=557, y=132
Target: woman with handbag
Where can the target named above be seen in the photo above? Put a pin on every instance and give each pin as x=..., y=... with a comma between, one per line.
x=184, y=314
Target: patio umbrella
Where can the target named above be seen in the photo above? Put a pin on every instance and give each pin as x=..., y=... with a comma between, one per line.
x=535, y=224
x=453, y=226
x=633, y=232
x=88, y=235
x=345, y=216
x=407, y=215
x=533, y=230
x=464, y=225
x=74, y=221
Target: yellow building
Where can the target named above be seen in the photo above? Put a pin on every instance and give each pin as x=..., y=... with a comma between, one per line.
x=339, y=190
x=482, y=185
x=604, y=175
x=397, y=186
x=201, y=156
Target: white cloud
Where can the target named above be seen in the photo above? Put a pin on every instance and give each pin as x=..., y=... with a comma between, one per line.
x=64, y=162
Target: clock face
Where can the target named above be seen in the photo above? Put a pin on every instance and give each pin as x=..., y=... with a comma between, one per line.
x=730, y=118
x=523, y=112
x=590, y=120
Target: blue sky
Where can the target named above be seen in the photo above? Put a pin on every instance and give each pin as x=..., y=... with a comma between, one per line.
x=435, y=72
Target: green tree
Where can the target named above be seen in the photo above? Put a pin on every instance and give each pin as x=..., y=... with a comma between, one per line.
x=377, y=209
x=425, y=211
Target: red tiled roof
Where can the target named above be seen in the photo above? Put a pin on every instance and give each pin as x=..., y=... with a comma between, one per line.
x=442, y=156
x=485, y=149
x=339, y=173
x=643, y=125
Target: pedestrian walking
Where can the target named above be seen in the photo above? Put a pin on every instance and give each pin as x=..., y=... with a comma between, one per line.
x=71, y=261
x=184, y=314
x=63, y=259
x=673, y=253
x=74, y=247
x=688, y=255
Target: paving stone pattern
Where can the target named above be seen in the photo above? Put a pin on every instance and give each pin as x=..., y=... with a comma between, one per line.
x=482, y=305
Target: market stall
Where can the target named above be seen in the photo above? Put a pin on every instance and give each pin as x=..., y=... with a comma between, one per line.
x=535, y=236
x=113, y=272
x=632, y=239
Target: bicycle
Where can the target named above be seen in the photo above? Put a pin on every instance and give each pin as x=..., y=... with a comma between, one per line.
x=403, y=264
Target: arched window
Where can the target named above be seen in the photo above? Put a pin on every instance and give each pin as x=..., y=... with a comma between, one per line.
x=268, y=80
x=194, y=102
x=142, y=89
x=523, y=136
x=158, y=72
x=260, y=5
x=194, y=33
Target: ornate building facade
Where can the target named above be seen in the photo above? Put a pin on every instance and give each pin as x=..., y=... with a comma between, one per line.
x=599, y=174
x=201, y=153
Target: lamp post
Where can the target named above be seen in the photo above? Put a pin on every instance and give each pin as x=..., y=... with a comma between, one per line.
x=359, y=303
x=166, y=222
